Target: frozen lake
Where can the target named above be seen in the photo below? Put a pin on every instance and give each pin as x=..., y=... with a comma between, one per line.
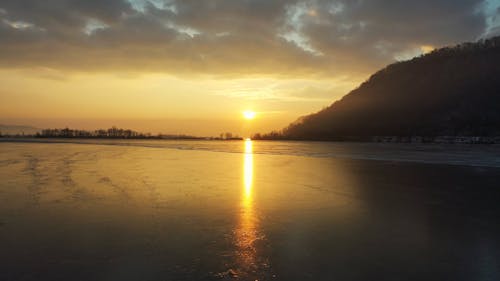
x=243, y=210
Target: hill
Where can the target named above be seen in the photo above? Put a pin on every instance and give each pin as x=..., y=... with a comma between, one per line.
x=453, y=91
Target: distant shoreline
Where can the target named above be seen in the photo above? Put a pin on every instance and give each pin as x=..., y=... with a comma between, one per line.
x=112, y=133
x=399, y=139
x=377, y=139
x=35, y=138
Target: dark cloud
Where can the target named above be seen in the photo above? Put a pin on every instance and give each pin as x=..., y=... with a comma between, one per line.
x=376, y=30
x=230, y=15
x=228, y=37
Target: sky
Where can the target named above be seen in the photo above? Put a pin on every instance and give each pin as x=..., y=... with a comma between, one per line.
x=193, y=66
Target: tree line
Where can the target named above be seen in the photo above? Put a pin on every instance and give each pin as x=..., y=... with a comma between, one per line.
x=111, y=133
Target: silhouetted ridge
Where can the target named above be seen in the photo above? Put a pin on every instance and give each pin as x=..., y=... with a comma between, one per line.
x=452, y=91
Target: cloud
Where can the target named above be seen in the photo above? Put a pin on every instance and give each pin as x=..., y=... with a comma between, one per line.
x=229, y=37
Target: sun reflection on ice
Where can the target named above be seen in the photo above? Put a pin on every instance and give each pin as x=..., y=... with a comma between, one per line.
x=247, y=230
x=248, y=170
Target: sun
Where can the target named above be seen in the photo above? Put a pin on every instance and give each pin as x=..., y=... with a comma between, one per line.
x=248, y=114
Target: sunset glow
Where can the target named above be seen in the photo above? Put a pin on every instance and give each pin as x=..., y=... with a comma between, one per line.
x=192, y=65
x=248, y=114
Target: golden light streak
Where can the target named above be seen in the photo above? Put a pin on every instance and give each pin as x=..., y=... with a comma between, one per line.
x=247, y=232
x=248, y=169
